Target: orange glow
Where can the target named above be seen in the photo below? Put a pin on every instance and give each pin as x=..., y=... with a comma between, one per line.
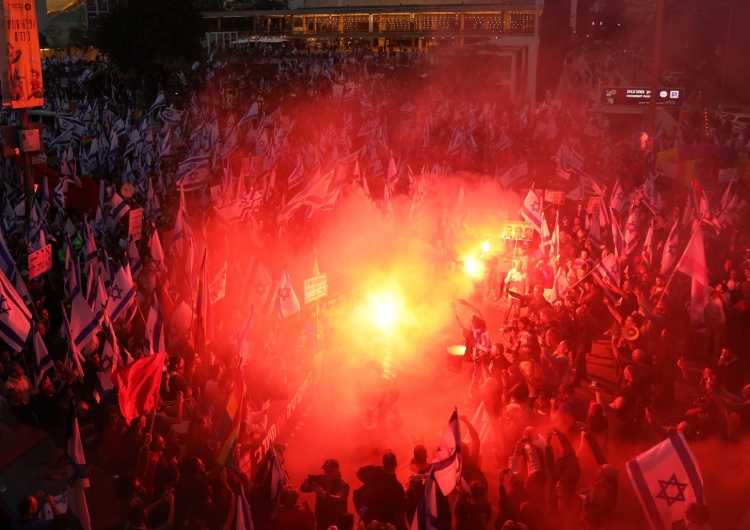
x=485, y=247
x=386, y=309
x=474, y=267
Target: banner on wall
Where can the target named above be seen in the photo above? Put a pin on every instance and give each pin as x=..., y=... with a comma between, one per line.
x=22, y=86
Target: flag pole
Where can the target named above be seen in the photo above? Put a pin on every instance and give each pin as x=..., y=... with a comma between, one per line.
x=151, y=423
x=586, y=275
x=674, y=272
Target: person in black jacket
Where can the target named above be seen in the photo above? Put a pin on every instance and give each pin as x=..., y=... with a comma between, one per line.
x=331, y=493
x=385, y=499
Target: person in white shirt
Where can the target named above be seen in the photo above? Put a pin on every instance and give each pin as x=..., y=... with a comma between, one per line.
x=19, y=382
x=515, y=282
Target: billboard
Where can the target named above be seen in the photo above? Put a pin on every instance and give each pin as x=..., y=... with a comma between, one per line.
x=665, y=97
x=21, y=88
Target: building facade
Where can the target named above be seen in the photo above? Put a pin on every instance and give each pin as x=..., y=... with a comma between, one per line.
x=506, y=32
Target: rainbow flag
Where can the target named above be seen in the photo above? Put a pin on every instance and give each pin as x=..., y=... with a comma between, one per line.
x=230, y=421
x=140, y=117
x=86, y=142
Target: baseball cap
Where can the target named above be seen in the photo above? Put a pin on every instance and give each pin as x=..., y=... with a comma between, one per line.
x=331, y=463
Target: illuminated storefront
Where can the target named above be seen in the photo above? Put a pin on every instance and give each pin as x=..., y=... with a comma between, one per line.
x=509, y=28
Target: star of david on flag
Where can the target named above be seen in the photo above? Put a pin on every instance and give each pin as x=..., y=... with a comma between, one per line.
x=666, y=480
x=531, y=210
x=288, y=303
x=15, y=318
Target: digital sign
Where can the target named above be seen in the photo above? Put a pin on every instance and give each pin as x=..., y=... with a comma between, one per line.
x=665, y=97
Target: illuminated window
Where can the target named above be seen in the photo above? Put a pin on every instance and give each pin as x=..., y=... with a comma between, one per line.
x=522, y=22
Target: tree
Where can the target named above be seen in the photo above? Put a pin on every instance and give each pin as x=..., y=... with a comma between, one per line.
x=53, y=35
x=140, y=34
x=81, y=36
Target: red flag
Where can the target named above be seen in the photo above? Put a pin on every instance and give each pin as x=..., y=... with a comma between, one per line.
x=138, y=383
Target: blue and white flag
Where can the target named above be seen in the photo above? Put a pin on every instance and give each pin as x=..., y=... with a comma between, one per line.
x=278, y=480
x=238, y=210
x=91, y=158
x=158, y=103
x=618, y=200
x=446, y=463
x=45, y=197
x=631, y=231
x=192, y=173
x=113, y=155
x=647, y=252
x=514, y=175
x=171, y=116
x=297, y=176
x=72, y=124
x=73, y=359
x=152, y=207
x=101, y=155
x=118, y=209
x=426, y=515
x=671, y=254
x=134, y=145
x=608, y=270
x=231, y=143
x=165, y=149
x=97, y=292
x=119, y=128
x=34, y=233
x=62, y=141
x=666, y=480
x=15, y=318
x=90, y=250
x=7, y=263
x=78, y=478
x=109, y=360
x=251, y=114
x=158, y=265
x=134, y=257
x=127, y=173
x=43, y=360
x=84, y=324
x=183, y=233
x=595, y=232
x=121, y=294
x=72, y=271
x=61, y=193
x=531, y=210
x=153, y=341
x=243, y=517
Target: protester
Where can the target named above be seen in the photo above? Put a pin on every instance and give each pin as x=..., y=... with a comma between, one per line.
x=222, y=160
x=331, y=494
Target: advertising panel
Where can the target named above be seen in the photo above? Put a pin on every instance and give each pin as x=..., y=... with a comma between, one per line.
x=665, y=97
x=24, y=64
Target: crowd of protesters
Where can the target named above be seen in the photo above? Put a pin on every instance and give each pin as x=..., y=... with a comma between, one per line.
x=334, y=111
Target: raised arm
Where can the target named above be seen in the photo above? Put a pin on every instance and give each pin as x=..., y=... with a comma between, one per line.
x=473, y=308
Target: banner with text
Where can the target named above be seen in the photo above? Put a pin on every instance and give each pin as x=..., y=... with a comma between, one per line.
x=22, y=87
x=316, y=287
x=135, y=225
x=40, y=261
